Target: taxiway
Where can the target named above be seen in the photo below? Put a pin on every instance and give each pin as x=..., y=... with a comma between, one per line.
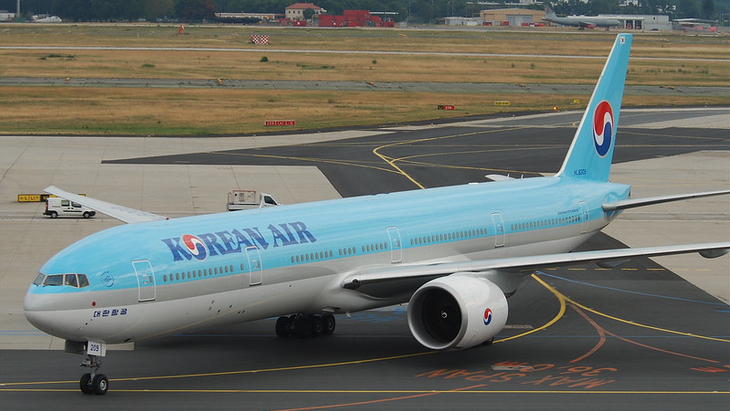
x=650, y=334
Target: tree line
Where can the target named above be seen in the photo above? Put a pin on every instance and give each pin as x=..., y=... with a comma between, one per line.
x=417, y=11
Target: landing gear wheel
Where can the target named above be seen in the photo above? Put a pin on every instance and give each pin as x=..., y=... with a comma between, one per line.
x=93, y=383
x=317, y=326
x=282, y=327
x=303, y=326
x=329, y=324
x=100, y=384
x=85, y=384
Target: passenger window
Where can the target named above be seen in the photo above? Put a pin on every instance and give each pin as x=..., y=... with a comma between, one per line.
x=70, y=280
x=64, y=203
x=76, y=205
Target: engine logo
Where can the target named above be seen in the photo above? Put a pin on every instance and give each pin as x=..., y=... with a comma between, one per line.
x=487, y=316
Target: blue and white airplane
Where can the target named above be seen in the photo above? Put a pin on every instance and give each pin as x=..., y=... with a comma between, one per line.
x=454, y=253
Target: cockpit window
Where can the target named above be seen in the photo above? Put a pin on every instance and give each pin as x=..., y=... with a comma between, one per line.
x=69, y=280
x=53, y=280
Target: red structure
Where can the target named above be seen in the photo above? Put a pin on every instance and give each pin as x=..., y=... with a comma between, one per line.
x=354, y=18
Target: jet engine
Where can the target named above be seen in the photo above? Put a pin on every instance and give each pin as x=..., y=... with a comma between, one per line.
x=458, y=311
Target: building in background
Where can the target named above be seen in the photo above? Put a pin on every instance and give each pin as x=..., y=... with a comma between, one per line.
x=5, y=16
x=512, y=17
x=295, y=12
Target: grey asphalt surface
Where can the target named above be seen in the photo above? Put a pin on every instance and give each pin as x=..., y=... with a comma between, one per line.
x=638, y=337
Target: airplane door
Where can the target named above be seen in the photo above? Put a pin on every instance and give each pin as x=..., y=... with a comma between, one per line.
x=498, y=223
x=583, y=217
x=254, y=265
x=396, y=249
x=145, y=280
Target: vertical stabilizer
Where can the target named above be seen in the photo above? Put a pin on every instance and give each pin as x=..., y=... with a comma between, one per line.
x=549, y=13
x=591, y=153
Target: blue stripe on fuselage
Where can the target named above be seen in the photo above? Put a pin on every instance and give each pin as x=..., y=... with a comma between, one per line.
x=328, y=230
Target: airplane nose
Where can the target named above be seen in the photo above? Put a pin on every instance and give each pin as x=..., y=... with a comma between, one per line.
x=39, y=311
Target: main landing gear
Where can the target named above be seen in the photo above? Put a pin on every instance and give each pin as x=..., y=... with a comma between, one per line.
x=93, y=382
x=305, y=325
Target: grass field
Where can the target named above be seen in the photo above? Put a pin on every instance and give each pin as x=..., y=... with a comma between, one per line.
x=229, y=54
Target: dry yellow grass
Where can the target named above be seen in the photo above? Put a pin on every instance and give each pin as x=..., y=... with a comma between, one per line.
x=377, y=68
x=226, y=111
x=211, y=111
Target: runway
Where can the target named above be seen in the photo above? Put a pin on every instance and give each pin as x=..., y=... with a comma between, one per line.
x=637, y=336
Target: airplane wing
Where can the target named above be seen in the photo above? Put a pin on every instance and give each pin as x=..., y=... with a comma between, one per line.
x=640, y=202
x=379, y=275
x=121, y=213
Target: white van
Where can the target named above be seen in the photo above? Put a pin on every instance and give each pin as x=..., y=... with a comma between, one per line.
x=61, y=207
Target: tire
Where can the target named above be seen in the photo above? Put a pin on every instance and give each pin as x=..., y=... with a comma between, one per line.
x=329, y=324
x=100, y=385
x=84, y=384
x=54, y=214
x=303, y=327
x=87, y=214
x=282, y=327
x=317, y=326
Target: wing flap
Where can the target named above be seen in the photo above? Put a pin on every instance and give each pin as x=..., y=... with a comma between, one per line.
x=499, y=177
x=377, y=275
x=121, y=213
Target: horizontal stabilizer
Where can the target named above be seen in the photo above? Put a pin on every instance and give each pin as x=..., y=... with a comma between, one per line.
x=379, y=275
x=121, y=213
x=640, y=202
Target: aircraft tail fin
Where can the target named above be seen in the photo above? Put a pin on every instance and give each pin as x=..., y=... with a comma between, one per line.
x=591, y=152
x=549, y=13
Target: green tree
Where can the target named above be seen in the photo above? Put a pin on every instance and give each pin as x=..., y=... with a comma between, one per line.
x=158, y=8
x=687, y=9
x=708, y=9
x=196, y=10
x=113, y=9
x=75, y=10
x=308, y=14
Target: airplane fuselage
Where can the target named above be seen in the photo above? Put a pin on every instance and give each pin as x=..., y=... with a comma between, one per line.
x=583, y=21
x=152, y=279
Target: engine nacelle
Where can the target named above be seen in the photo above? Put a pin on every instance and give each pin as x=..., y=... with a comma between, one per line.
x=458, y=311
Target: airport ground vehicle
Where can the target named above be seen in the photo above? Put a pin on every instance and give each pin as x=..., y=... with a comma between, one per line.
x=246, y=199
x=56, y=207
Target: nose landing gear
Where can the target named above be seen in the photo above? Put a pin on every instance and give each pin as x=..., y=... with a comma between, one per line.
x=93, y=382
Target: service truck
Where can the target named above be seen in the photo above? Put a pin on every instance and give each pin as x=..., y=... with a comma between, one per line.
x=247, y=199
